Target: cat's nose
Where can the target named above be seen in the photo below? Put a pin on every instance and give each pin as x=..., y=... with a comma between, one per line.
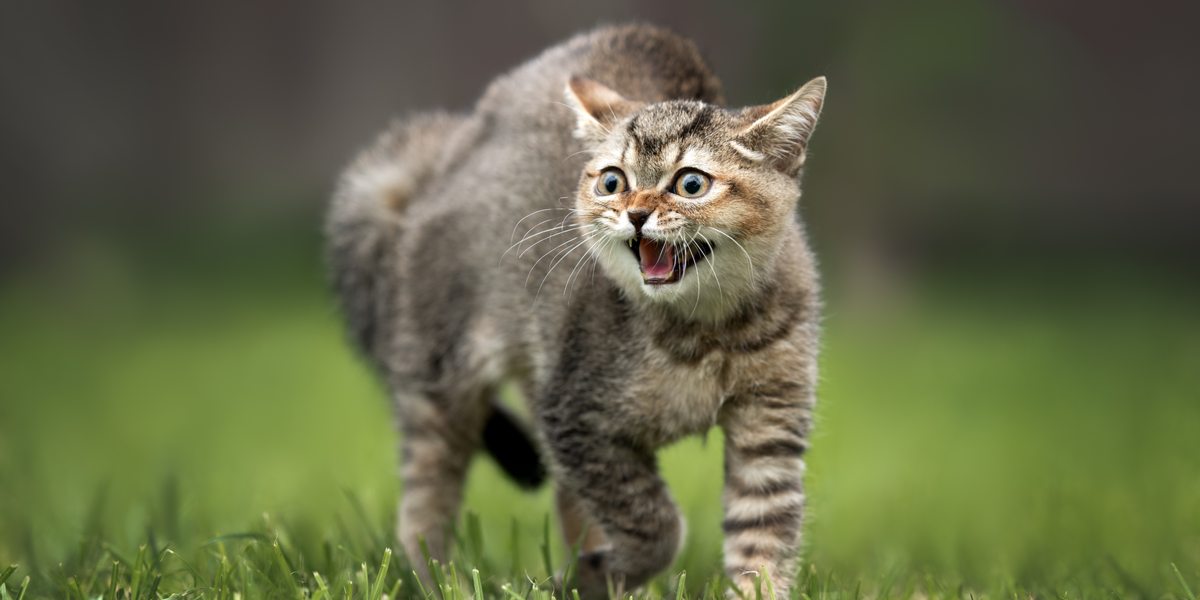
x=638, y=216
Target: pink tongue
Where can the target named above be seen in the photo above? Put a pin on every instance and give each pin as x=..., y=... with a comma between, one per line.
x=658, y=260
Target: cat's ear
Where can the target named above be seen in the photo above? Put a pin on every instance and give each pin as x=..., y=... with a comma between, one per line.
x=779, y=132
x=597, y=107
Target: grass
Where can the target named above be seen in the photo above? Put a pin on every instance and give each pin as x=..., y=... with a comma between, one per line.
x=183, y=418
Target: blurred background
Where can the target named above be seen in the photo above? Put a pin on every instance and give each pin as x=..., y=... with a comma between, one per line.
x=1002, y=195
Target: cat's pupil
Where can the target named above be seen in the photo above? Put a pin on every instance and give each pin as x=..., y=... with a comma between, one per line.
x=610, y=183
x=691, y=184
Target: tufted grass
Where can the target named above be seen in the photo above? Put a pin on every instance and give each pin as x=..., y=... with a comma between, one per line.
x=183, y=419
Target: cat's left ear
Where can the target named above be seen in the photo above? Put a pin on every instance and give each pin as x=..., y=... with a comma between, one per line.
x=779, y=132
x=597, y=108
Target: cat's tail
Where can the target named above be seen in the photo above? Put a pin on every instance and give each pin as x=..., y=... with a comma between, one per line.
x=365, y=221
x=511, y=446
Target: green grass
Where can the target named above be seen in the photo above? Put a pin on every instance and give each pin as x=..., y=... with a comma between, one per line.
x=191, y=422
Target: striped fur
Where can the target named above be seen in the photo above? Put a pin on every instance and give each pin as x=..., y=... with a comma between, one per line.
x=462, y=262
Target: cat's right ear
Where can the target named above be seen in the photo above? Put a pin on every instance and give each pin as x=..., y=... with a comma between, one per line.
x=597, y=108
x=779, y=132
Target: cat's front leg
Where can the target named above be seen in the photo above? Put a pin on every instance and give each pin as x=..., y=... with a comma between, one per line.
x=766, y=429
x=617, y=485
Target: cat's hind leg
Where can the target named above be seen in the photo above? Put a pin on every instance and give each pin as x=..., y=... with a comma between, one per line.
x=437, y=441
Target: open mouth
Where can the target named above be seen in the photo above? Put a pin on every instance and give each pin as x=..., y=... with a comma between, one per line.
x=662, y=263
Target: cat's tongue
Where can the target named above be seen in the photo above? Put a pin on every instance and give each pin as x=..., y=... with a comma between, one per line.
x=658, y=259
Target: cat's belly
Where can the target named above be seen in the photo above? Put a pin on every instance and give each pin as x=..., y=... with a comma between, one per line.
x=670, y=400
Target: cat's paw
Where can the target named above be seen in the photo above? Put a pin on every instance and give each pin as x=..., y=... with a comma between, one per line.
x=749, y=585
x=590, y=577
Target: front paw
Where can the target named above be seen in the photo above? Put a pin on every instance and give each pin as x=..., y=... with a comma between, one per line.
x=749, y=585
x=590, y=575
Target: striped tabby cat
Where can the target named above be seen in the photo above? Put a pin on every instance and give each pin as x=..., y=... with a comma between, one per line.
x=601, y=231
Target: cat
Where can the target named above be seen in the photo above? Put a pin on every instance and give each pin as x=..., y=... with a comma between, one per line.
x=601, y=231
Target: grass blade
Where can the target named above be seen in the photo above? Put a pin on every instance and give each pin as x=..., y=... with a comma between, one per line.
x=377, y=588
x=420, y=585
x=364, y=520
x=138, y=572
x=322, y=588
x=73, y=588
x=546, y=562
x=112, y=582
x=439, y=577
x=282, y=562
x=233, y=537
x=1183, y=582
x=574, y=553
x=474, y=538
x=514, y=551
x=153, y=591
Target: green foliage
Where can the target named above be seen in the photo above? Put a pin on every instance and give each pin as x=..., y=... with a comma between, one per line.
x=1031, y=433
x=262, y=564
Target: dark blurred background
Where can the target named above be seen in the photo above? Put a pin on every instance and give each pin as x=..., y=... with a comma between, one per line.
x=992, y=127
x=1002, y=195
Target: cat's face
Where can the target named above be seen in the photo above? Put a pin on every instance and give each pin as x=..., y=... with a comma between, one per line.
x=686, y=202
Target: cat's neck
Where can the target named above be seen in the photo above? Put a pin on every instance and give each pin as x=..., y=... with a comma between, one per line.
x=774, y=312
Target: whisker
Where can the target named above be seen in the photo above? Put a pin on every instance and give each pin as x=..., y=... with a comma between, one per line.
x=543, y=257
x=567, y=230
x=572, y=108
x=743, y=248
x=572, y=275
x=569, y=215
x=699, y=282
x=562, y=256
x=595, y=261
x=534, y=230
x=612, y=114
x=518, y=223
x=573, y=154
x=711, y=267
x=529, y=237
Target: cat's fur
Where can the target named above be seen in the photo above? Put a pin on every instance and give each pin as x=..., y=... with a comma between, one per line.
x=469, y=250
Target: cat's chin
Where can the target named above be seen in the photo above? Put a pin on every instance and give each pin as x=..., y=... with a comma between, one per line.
x=665, y=293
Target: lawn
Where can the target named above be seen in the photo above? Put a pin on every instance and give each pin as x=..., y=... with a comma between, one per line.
x=185, y=415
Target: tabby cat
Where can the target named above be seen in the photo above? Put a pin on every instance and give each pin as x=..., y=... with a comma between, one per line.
x=603, y=233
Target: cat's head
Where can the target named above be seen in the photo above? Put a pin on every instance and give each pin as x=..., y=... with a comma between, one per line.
x=687, y=203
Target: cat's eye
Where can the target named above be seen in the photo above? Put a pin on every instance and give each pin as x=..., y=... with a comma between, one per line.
x=611, y=181
x=691, y=184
